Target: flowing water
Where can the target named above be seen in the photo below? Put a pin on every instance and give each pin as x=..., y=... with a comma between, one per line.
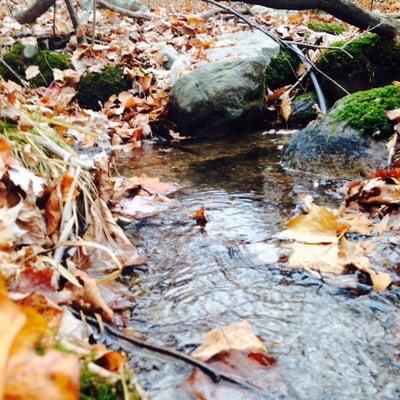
x=329, y=342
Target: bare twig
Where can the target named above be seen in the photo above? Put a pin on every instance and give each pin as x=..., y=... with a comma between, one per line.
x=277, y=39
x=254, y=25
x=94, y=22
x=72, y=14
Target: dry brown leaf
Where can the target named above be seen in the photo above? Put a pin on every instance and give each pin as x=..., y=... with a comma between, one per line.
x=377, y=191
x=113, y=361
x=53, y=209
x=25, y=374
x=12, y=319
x=318, y=226
x=91, y=294
x=328, y=258
x=393, y=115
x=383, y=225
x=52, y=376
x=286, y=106
x=239, y=336
x=380, y=280
x=353, y=254
x=356, y=223
x=317, y=257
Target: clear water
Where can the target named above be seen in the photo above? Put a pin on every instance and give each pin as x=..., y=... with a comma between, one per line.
x=329, y=343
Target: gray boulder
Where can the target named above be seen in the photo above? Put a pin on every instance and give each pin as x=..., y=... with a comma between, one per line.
x=226, y=94
x=335, y=150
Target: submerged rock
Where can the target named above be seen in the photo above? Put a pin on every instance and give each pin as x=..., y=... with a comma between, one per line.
x=347, y=141
x=304, y=110
x=226, y=94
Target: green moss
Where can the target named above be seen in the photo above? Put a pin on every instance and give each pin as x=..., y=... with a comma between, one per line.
x=98, y=87
x=14, y=58
x=46, y=60
x=375, y=62
x=281, y=70
x=334, y=28
x=94, y=387
x=6, y=126
x=365, y=111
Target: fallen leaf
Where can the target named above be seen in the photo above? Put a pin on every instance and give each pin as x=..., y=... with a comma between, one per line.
x=380, y=280
x=318, y=226
x=52, y=376
x=286, y=106
x=318, y=257
x=91, y=294
x=200, y=217
x=12, y=319
x=239, y=336
x=53, y=211
x=31, y=72
x=393, y=115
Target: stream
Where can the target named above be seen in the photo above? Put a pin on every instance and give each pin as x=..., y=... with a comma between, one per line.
x=330, y=343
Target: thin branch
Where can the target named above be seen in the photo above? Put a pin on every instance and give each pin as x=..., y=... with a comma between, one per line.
x=72, y=14
x=278, y=40
x=94, y=22
x=214, y=374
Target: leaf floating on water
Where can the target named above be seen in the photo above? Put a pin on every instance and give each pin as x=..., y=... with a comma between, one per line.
x=317, y=257
x=239, y=336
x=318, y=226
x=380, y=280
x=200, y=217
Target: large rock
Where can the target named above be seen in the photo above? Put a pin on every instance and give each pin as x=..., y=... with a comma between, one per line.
x=335, y=150
x=347, y=141
x=225, y=94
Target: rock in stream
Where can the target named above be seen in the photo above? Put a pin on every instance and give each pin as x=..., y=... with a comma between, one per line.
x=226, y=94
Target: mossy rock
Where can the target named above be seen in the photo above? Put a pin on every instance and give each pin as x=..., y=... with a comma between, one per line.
x=365, y=111
x=334, y=28
x=14, y=58
x=349, y=141
x=96, y=87
x=280, y=72
x=375, y=63
x=46, y=60
x=94, y=387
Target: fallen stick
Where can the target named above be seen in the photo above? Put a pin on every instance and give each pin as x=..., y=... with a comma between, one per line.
x=280, y=41
x=215, y=375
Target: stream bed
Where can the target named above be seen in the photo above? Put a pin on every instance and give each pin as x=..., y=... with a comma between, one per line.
x=329, y=342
